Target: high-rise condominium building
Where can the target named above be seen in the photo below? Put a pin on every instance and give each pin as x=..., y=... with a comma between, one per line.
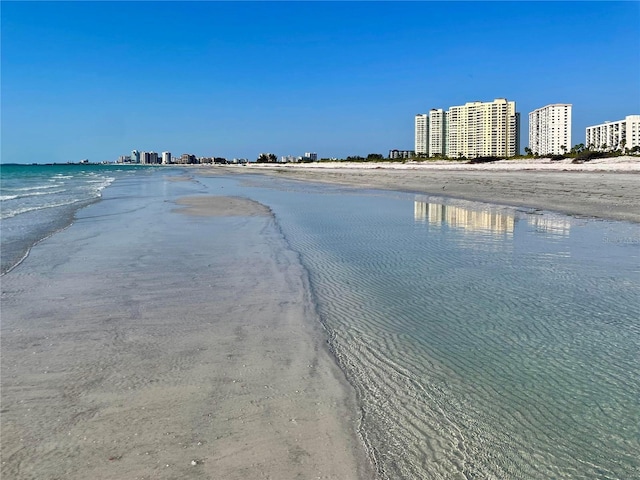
x=482, y=129
x=550, y=129
x=623, y=134
x=422, y=134
x=166, y=157
x=437, y=132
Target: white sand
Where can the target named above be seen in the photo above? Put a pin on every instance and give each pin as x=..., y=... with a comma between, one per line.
x=625, y=163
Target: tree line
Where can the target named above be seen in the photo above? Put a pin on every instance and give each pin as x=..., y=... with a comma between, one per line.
x=579, y=152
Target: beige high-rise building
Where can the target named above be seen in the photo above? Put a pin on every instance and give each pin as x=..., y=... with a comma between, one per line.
x=622, y=134
x=422, y=134
x=550, y=129
x=437, y=132
x=483, y=129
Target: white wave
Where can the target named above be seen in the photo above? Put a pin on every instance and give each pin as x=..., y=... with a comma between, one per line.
x=19, y=211
x=37, y=187
x=97, y=186
x=31, y=194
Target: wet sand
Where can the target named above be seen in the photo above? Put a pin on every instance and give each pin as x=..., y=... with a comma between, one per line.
x=166, y=336
x=605, y=188
x=210, y=206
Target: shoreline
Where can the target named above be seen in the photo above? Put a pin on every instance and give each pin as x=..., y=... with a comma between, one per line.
x=603, y=188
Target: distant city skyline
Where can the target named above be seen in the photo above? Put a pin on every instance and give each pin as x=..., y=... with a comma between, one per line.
x=234, y=79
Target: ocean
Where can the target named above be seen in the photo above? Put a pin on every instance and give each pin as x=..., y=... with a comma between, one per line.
x=482, y=341
x=38, y=200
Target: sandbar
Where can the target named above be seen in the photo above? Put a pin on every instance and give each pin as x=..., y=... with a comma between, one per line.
x=221, y=206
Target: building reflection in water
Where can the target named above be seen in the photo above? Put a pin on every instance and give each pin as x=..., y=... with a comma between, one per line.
x=472, y=220
x=549, y=225
x=486, y=220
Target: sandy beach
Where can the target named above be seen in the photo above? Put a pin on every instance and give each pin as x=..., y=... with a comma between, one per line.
x=602, y=188
x=170, y=334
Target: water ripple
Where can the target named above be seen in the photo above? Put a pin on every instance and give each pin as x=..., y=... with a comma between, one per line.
x=481, y=345
x=472, y=361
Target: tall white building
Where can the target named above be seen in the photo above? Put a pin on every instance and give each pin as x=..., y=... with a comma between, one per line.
x=422, y=134
x=550, y=129
x=623, y=134
x=166, y=157
x=482, y=129
x=437, y=132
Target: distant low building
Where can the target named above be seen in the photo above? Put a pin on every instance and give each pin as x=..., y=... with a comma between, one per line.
x=620, y=135
x=393, y=154
x=187, y=159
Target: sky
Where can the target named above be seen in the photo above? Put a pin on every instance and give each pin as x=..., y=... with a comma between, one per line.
x=233, y=79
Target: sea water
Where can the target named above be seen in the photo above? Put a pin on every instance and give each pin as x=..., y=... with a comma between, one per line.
x=38, y=200
x=483, y=341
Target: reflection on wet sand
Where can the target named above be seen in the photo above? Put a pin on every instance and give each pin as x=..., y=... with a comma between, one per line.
x=474, y=220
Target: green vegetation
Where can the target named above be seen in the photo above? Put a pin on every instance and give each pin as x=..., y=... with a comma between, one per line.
x=582, y=153
x=267, y=158
x=587, y=155
x=579, y=153
x=484, y=159
x=372, y=157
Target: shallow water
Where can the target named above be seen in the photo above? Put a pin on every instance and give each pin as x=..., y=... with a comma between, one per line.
x=482, y=341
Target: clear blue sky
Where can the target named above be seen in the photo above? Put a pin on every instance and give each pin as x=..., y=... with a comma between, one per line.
x=98, y=79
